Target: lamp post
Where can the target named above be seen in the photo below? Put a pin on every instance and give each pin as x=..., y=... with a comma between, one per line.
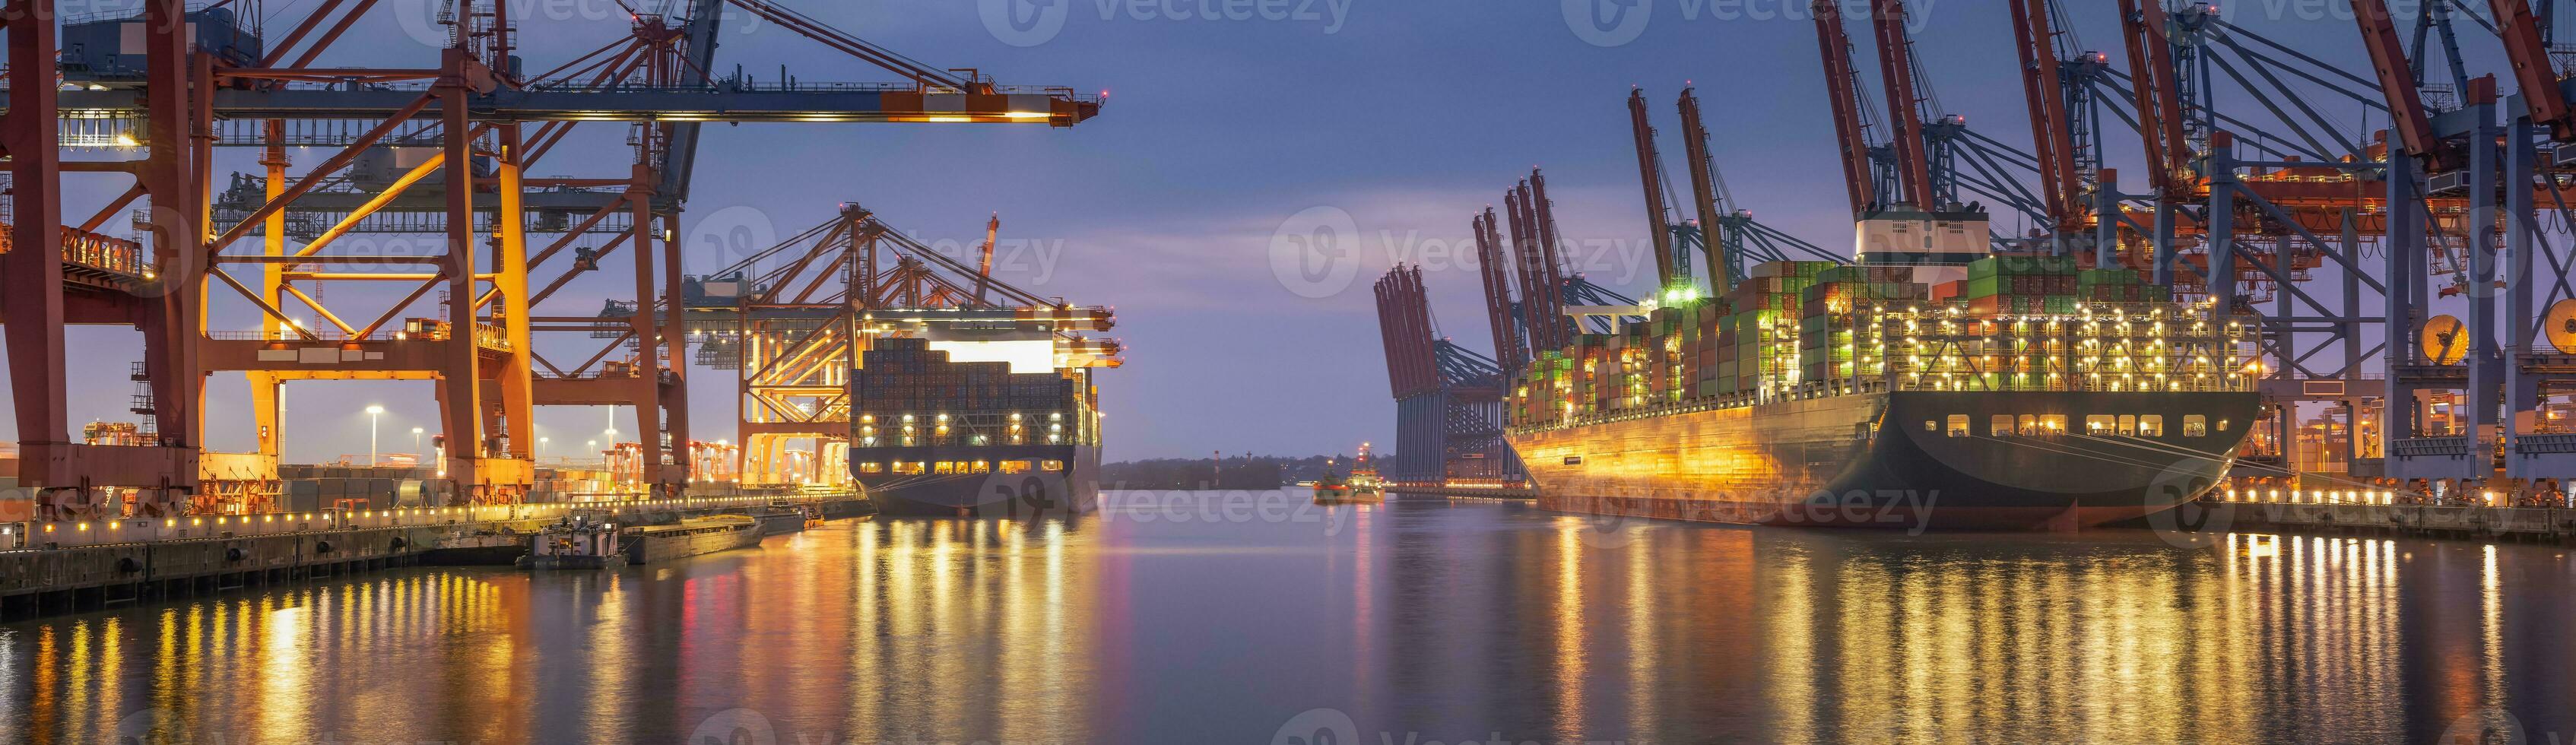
x=374, y=415
x=541, y=447
x=415, y=440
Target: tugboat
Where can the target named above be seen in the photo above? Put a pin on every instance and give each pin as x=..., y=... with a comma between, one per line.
x=1361, y=487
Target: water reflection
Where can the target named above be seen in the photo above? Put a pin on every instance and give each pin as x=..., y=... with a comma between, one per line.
x=1417, y=618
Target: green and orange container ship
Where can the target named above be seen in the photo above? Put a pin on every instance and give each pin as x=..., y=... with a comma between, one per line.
x=1931, y=386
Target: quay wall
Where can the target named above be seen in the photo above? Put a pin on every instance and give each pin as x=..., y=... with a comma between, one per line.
x=143, y=559
x=2508, y=524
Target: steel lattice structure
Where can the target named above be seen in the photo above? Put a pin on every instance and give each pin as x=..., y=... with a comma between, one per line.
x=1449, y=400
x=793, y=318
x=2256, y=196
x=438, y=148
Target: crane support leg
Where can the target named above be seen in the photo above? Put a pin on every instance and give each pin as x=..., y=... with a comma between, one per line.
x=33, y=306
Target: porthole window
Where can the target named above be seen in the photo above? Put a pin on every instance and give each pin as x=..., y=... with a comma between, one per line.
x=2195, y=425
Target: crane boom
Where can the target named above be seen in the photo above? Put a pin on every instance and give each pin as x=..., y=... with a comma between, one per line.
x=1510, y=349
x=1527, y=261
x=1896, y=72
x=2523, y=44
x=1650, y=171
x=984, y=270
x=2158, y=97
x=1721, y=267
x=1842, y=89
x=2049, y=129
x=1543, y=218
x=2397, y=80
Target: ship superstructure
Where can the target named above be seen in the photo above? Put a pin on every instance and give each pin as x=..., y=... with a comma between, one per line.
x=964, y=418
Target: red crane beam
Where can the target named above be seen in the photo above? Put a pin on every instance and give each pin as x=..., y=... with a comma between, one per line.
x=1542, y=214
x=1509, y=348
x=2051, y=138
x=1404, y=324
x=1896, y=72
x=2532, y=69
x=34, y=303
x=1387, y=332
x=1703, y=176
x=2397, y=81
x=1650, y=172
x=1526, y=259
x=2156, y=94
x=1842, y=88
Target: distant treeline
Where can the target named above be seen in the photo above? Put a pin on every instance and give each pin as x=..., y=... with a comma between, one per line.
x=1247, y=472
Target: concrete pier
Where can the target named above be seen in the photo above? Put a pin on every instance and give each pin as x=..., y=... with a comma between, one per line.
x=2512, y=524
x=1454, y=491
x=143, y=559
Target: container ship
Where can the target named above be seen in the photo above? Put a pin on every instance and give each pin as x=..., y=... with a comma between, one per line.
x=979, y=414
x=1929, y=385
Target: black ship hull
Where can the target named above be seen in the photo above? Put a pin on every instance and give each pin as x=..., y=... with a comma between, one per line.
x=1072, y=488
x=1898, y=460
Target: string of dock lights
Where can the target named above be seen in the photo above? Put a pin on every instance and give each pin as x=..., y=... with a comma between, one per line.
x=391, y=517
x=2320, y=496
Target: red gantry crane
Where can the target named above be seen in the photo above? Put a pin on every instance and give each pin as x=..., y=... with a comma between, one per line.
x=439, y=149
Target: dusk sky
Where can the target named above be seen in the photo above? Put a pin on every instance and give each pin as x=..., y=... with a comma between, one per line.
x=1406, y=116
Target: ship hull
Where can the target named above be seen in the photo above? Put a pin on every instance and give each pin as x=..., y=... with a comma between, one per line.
x=1891, y=460
x=1073, y=489
x=691, y=538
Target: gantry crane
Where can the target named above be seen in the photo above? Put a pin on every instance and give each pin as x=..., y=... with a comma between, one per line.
x=793, y=319
x=1449, y=400
x=462, y=132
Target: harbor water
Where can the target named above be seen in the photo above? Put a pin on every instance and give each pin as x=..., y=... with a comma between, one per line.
x=1261, y=618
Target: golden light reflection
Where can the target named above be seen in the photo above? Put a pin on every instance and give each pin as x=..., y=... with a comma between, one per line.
x=1572, y=633
x=285, y=672
x=1546, y=629
x=1645, y=643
